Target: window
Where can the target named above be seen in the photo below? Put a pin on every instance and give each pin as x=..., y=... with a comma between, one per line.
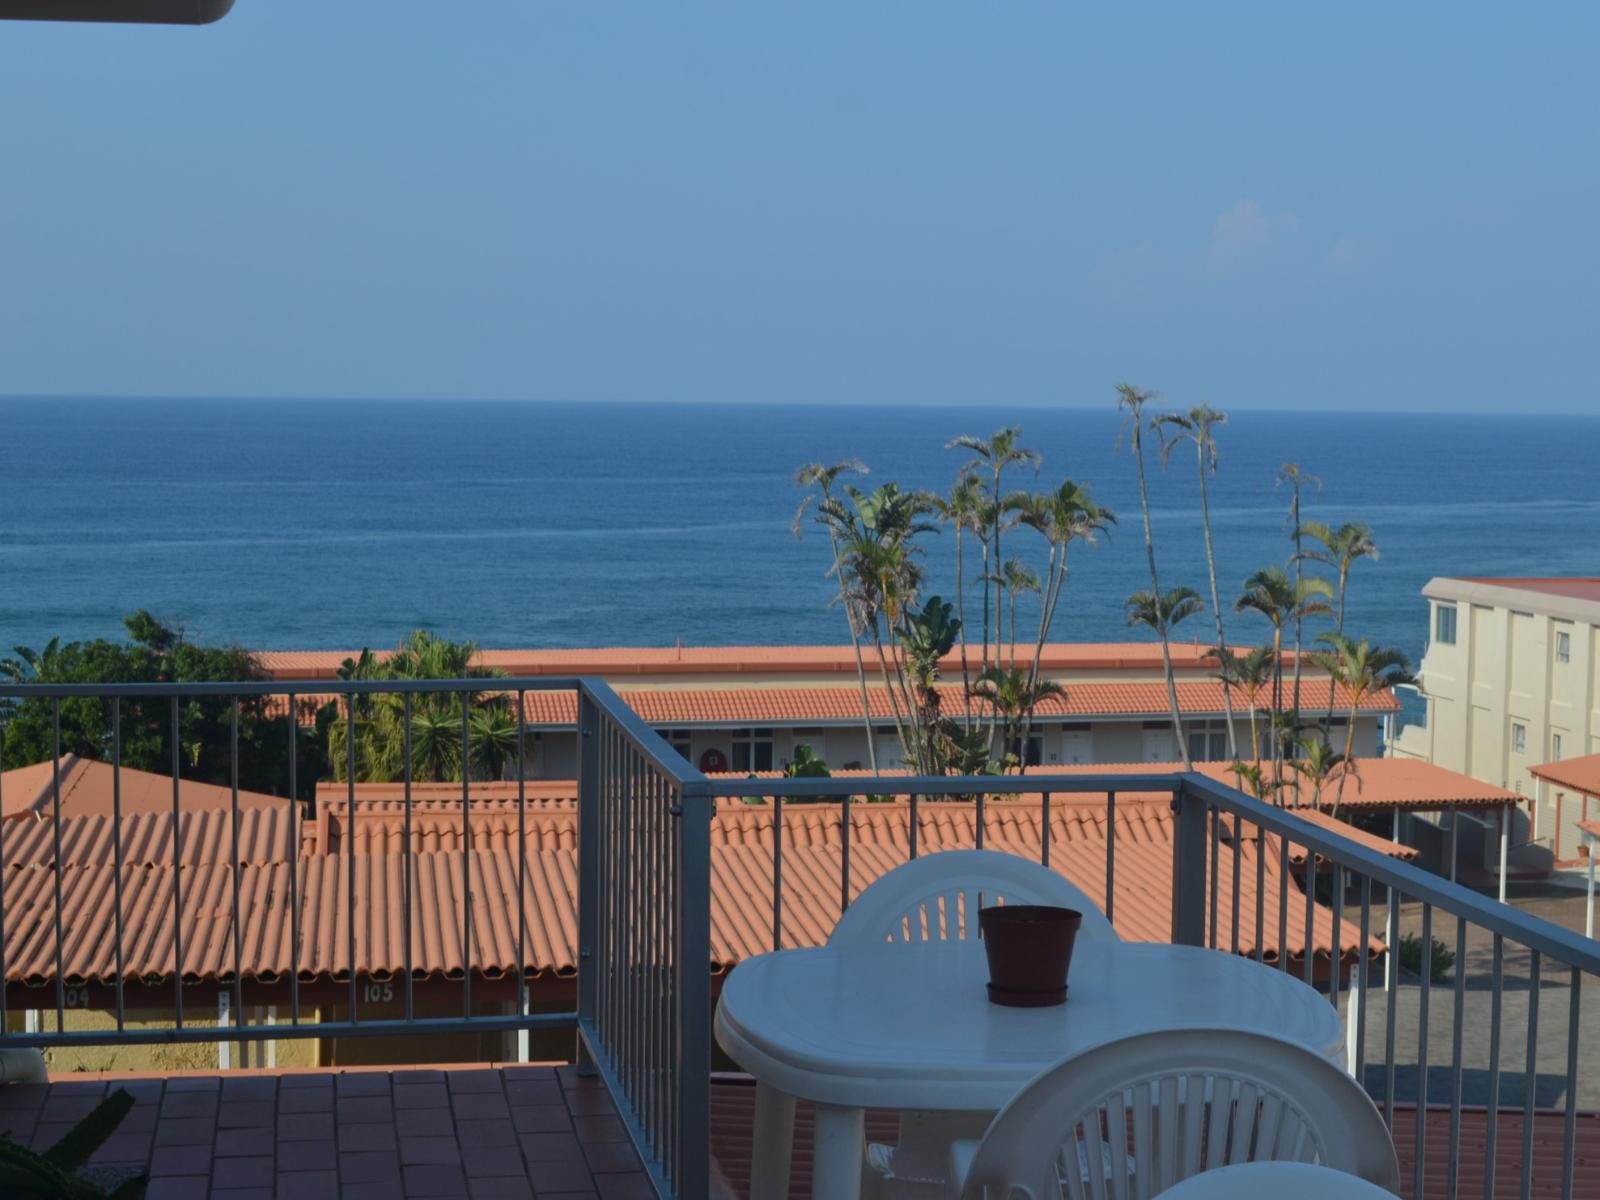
x=1563, y=647
x=1519, y=738
x=1444, y=624
x=1555, y=747
x=1208, y=741
x=678, y=739
x=1035, y=754
x=752, y=750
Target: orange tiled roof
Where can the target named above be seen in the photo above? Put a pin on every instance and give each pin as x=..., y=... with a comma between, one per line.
x=736, y=660
x=801, y=705
x=1579, y=774
x=87, y=784
x=741, y=893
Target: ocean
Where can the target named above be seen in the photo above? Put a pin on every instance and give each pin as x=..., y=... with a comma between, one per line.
x=342, y=524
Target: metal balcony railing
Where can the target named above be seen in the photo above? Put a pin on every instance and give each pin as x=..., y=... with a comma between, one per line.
x=194, y=909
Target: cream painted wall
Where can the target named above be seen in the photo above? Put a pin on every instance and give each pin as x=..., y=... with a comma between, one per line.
x=1503, y=672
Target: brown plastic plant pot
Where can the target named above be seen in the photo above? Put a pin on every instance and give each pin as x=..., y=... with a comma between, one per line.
x=1029, y=947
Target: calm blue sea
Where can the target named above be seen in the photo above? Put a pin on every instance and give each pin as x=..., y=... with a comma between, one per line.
x=295, y=524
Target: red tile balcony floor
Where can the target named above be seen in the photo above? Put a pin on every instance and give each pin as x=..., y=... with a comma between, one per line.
x=536, y=1132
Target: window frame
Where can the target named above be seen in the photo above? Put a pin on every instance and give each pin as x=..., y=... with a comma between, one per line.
x=1563, y=647
x=1444, y=614
x=1519, y=738
x=752, y=744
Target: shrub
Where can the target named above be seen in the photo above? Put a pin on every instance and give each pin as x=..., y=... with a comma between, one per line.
x=1440, y=961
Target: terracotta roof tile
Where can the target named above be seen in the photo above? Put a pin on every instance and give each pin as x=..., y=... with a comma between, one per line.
x=206, y=837
x=87, y=789
x=1579, y=774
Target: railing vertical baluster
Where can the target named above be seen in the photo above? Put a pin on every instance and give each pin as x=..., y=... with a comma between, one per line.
x=691, y=956
x=1309, y=970
x=1452, y=1175
x=1365, y=967
x=60, y=865
x=1044, y=828
x=1189, y=810
x=915, y=831
x=234, y=870
x=350, y=849
x=407, y=859
x=294, y=860
x=978, y=832
x=1238, y=850
x=1419, y=1168
x=1214, y=874
x=591, y=872
x=777, y=872
x=1491, y=1129
x=1390, y=995
x=1530, y=1080
x=1336, y=953
x=1111, y=854
x=466, y=854
x=1261, y=894
x=177, y=873
x=116, y=850
x=844, y=854
x=1569, y=1132
x=522, y=858
x=1283, y=903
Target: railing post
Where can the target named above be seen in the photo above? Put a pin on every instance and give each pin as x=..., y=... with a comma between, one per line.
x=589, y=831
x=691, y=960
x=1188, y=867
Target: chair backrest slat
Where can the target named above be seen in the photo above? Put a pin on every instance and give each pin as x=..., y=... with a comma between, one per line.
x=1193, y=1101
x=937, y=897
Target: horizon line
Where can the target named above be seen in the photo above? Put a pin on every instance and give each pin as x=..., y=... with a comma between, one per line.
x=999, y=406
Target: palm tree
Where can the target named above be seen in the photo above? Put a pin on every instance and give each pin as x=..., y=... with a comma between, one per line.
x=1283, y=603
x=1294, y=476
x=1362, y=669
x=822, y=476
x=1132, y=400
x=1161, y=614
x=1012, y=695
x=1001, y=450
x=1017, y=578
x=1318, y=763
x=1341, y=549
x=1066, y=515
x=963, y=509
x=1196, y=426
x=1251, y=673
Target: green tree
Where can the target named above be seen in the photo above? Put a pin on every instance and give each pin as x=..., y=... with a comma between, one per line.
x=1196, y=425
x=1013, y=696
x=156, y=653
x=1252, y=673
x=1297, y=479
x=1318, y=763
x=805, y=765
x=1132, y=401
x=1362, y=670
x=436, y=718
x=1284, y=604
x=1160, y=614
x=992, y=456
x=1341, y=549
x=822, y=477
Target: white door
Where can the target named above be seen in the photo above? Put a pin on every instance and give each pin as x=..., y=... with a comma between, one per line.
x=1157, y=746
x=1077, y=747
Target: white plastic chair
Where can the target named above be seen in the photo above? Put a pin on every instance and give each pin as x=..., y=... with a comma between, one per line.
x=933, y=898
x=938, y=896
x=1152, y=1110
x=1273, y=1180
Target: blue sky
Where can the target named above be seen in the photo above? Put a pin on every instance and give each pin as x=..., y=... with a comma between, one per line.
x=1377, y=207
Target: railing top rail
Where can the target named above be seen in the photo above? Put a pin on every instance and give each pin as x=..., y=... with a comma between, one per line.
x=1536, y=933
x=941, y=785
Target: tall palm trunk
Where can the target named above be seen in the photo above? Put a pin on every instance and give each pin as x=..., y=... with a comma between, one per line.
x=855, y=645
x=961, y=615
x=1216, y=596
x=1299, y=566
x=1349, y=747
x=1155, y=590
x=1338, y=628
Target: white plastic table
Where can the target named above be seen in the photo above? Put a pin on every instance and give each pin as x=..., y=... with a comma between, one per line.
x=909, y=1026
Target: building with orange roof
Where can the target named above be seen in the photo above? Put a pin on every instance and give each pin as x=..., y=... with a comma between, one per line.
x=746, y=708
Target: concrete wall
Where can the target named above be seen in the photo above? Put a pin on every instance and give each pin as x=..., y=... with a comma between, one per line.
x=190, y=1056
x=1503, y=675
